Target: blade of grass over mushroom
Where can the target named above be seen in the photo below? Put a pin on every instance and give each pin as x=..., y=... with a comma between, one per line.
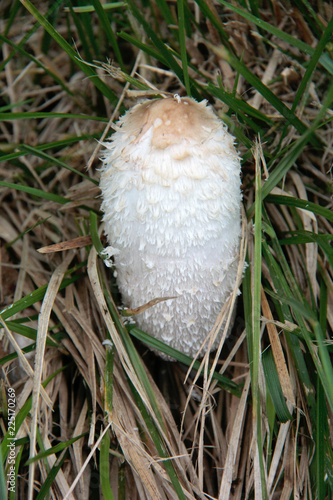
x=135, y=359
x=106, y=91
x=56, y=161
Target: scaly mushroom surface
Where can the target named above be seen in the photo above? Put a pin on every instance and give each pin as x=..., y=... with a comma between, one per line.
x=171, y=193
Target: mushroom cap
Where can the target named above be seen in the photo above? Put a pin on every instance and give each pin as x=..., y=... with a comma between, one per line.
x=173, y=121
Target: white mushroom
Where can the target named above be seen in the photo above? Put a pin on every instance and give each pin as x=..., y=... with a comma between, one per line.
x=171, y=199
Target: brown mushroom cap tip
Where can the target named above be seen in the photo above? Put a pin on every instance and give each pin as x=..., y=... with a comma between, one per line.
x=175, y=120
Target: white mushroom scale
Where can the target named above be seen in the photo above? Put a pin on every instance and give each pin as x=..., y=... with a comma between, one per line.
x=171, y=193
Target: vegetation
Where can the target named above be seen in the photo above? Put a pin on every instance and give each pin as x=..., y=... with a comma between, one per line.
x=98, y=415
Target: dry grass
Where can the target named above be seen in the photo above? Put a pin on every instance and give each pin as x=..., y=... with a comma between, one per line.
x=149, y=428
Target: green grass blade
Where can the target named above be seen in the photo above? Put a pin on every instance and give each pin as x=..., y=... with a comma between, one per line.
x=81, y=26
x=36, y=296
x=45, y=489
x=43, y=114
x=160, y=447
x=274, y=386
x=3, y=478
x=144, y=47
x=310, y=16
x=95, y=236
x=38, y=63
x=256, y=323
x=27, y=332
x=28, y=35
x=40, y=154
x=55, y=449
x=322, y=433
x=204, y=8
x=327, y=35
x=302, y=237
x=14, y=355
x=240, y=107
x=35, y=192
x=142, y=375
x=160, y=346
x=22, y=415
x=31, y=228
x=182, y=45
x=299, y=203
x=106, y=24
x=270, y=28
x=109, y=360
x=320, y=354
x=160, y=46
x=50, y=145
x=157, y=42
x=253, y=80
x=320, y=438
x=104, y=467
x=15, y=6
x=106, y=91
